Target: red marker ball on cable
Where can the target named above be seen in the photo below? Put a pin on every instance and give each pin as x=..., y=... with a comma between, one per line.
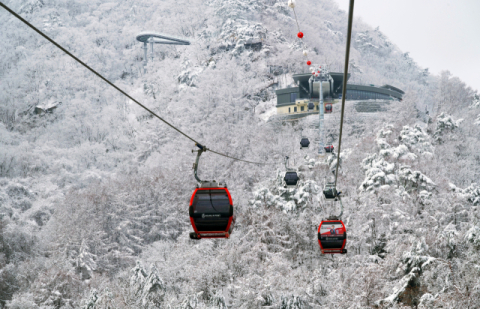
x=300, y=35
x=309, y=62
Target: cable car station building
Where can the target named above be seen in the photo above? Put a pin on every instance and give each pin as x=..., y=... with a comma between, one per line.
x=293, y=101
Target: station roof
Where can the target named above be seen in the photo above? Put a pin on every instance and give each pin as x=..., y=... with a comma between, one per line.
x=392, y=88
x=382, y=90
x=286, y=90
x=304, y=77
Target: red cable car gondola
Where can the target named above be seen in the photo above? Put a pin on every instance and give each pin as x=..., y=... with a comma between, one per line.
x=211, y=213
x=211, y=207
x=332, y=237
x=329, y=148
x=328, y=108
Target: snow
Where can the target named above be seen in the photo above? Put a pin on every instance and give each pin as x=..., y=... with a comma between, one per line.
x=285, y=199
x=416, y=139
x=475, y=102
x=446, y=127
x=189, y=73
x=378, y=172
x=414, y=179
x=446, y=122
x=471, y=193
x=94, y=193
x=473, y=236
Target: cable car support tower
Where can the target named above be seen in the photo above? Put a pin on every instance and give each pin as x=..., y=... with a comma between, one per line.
x=321, y=76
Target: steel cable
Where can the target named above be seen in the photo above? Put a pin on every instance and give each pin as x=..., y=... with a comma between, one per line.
x=120, y=90
x=298, y=27
x=345, y=77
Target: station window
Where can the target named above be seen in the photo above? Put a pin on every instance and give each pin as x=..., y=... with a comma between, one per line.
x=350, y=95
x=295, y=109
x=289, y=110
x=293, y=97
x=317, y=107
x=301, y=108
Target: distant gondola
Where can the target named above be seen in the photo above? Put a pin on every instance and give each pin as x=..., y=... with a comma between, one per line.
x=329, y=148
x=211, y=213
x=328, y=108
x=332, y=237
x=304, y=143
x=330, y=191
x=291, y=177
x=311, y=106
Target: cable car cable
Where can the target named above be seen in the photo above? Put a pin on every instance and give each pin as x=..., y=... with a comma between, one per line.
x=291, y=3
x=120, y=90
x=298, y=27
x=344, y=90
x=329, y=242
x=92, y=70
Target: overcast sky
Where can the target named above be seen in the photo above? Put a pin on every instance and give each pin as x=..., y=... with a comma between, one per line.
x=439, y=34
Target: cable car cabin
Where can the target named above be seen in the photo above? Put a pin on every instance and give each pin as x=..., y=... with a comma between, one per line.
x=311, y=106
x=329, y=148
x=211, y=213
x=330, y=192
x=328, y=108
x=291, y=178
x=304, y=143
x=332, y=237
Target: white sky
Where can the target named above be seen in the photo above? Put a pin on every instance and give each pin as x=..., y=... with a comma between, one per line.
x=439, y=34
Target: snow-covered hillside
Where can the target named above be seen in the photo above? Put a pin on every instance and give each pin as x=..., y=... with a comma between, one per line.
x=94, y=191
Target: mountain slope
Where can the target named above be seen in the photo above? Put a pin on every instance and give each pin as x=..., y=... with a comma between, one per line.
x=94, y=194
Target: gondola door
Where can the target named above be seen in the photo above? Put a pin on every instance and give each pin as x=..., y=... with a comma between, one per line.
x=332, y=237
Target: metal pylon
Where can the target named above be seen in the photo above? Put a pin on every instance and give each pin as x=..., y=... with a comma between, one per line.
x=323, y=76
x=321, y=125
